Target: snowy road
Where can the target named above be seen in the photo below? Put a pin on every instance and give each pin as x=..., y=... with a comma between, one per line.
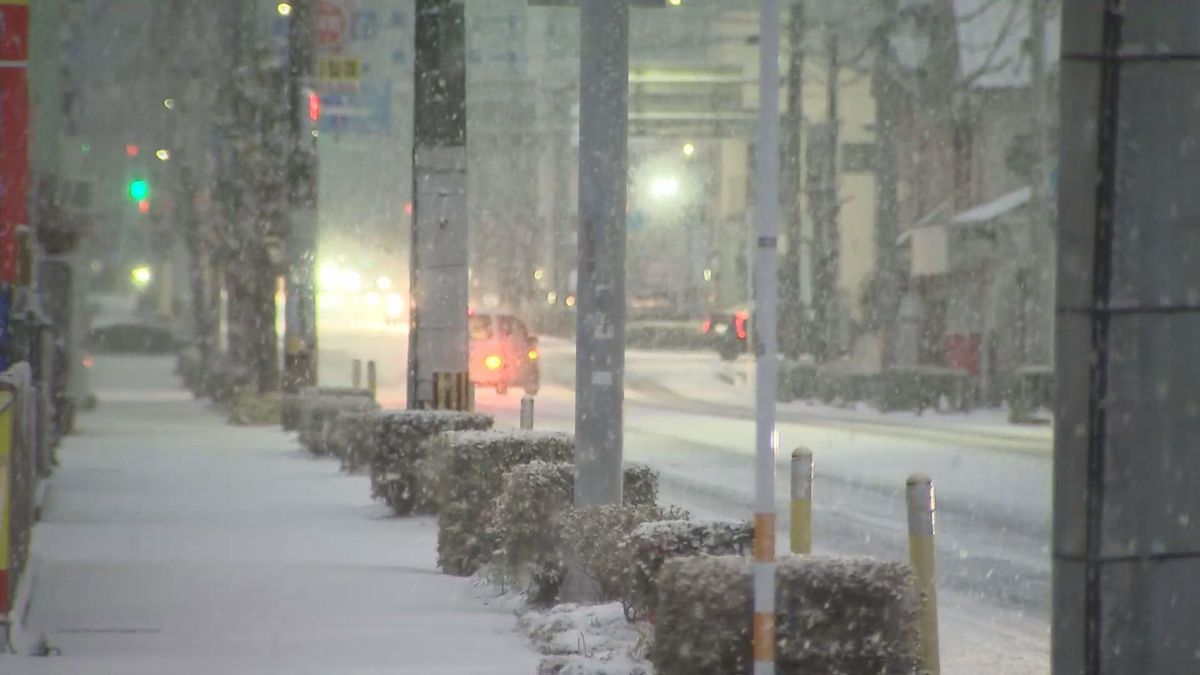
x=690, y=417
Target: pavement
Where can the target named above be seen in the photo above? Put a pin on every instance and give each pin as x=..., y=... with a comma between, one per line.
x=174, y=543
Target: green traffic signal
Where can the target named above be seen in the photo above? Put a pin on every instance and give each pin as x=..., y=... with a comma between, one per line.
x=139, y=189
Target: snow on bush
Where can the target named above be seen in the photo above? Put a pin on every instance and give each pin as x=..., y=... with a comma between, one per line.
x=400, y=440
x=318, y=412
x=525, y=528
x=352, y=438
x=587, y=640
x=470, y=466
x=595, y=546
x=836, y=616
x=652, y=544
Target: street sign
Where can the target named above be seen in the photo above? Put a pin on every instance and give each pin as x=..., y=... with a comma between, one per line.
x=339, y=69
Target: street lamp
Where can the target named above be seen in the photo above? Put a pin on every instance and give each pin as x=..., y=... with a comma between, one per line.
x=284, y=8
x=689, y=149
x=664, y=187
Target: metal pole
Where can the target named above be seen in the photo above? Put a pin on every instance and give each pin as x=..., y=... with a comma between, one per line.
x=802, y=485
x=921, y=555
x=526, y=412
x=792, y=282
x=1126, y=471
x=438, y=251
x=300, y=330
x=600, y=329
x=372, y=378
x=356, y=373
x=766, y=367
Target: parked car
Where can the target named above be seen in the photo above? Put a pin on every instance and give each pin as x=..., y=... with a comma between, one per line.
x=503, y=353
x=730, y=330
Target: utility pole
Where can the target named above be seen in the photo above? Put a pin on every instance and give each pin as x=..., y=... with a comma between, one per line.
x=300, y=249
x=600, y=320
x=1127, y=475
x=766, y=270
x=792, y=313
x=438, y=373
x=823, y=202
x=887, y=280
x=1040, y=329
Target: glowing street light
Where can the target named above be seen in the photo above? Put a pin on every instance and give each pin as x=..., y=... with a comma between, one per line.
x=141, y=276
x=284, y=8
x=162, y=154
x=169, y=103
x=689, y=149
x=664, y=187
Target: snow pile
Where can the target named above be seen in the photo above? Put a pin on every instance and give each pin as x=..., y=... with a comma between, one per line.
x=526, y=528
x=588, y=640
x=470, y=466
x=400, y=439
x=841, y=616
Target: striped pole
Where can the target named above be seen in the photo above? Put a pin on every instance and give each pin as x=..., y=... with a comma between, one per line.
x=921, y=516
x=802, y=481
x=356, y=373
x=14, y=156
x=766, y=368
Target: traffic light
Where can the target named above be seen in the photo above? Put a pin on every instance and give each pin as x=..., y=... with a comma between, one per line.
x=139, y=190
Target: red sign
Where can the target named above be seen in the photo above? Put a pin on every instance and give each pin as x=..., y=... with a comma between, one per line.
x=14, y=136
x=331, y=25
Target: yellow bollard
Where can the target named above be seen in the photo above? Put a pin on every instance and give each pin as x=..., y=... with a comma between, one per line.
x=921, y=553
x=356, y=373
x=802, y=480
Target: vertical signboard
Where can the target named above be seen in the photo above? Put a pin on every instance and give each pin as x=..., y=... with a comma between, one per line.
x=14, y=131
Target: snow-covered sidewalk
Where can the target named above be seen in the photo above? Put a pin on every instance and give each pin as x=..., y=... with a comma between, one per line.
x=173, y=543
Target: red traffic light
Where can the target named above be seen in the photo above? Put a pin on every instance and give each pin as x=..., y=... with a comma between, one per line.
x=314, y=106
x=132, y=150
x=144, y=206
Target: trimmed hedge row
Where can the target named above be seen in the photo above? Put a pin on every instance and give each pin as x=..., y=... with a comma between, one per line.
x=653, y=544
x=400, y=442
x=472, y=465
x=295, y=405
x=351, y=438
x=836, y=616
x=525, y=524
x=317, y=414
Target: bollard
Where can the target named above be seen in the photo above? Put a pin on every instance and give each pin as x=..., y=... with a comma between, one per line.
x=356, y=373
x=372, y=378
x=921, y=516
x=802, y=480
x=526, y=412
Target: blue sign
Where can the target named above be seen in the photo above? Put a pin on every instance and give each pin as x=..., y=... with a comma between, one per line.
x=366, y=111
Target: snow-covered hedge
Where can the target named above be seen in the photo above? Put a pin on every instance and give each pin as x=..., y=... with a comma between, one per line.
x=400, y=444
x=294, y=405
x=318, y=412
x=525, y=525
x=836, y=616
x=351, y=438
x=595, y=545
x=470, y=466
x=652, y=544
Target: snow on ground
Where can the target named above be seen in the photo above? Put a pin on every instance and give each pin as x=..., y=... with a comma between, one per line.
x=173, y=543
